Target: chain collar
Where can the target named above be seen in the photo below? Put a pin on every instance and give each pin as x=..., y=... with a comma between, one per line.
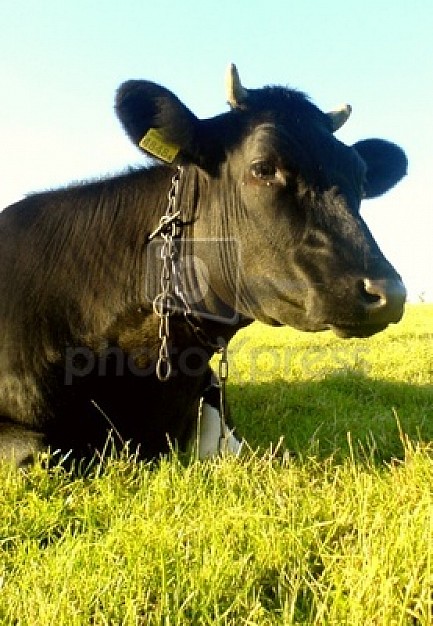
x=171, y=296
x=165, y=302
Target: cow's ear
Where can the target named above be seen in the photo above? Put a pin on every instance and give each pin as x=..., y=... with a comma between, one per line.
x=157, y=122
x=386, y=165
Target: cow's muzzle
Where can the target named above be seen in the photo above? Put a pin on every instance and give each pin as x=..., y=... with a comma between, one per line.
x=383, y=300
x=382, y=303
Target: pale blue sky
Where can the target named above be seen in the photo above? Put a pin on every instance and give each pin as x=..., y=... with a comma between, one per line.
x=60, y=64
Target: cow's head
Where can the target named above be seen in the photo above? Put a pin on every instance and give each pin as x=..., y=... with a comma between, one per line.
x=279, y=183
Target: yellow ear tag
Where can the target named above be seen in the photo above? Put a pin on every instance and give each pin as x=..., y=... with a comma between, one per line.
x=154, y=143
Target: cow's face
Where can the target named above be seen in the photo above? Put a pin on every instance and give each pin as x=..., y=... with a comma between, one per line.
x=288, y=192
x=308, y=259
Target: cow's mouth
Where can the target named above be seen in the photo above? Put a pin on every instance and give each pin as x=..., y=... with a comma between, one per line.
x=362, y=330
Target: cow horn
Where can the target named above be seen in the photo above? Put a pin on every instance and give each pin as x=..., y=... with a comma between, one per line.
x=339, y=116
x=236, y=94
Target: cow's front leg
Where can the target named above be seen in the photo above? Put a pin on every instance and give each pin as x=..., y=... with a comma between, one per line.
x=19, y=445
x=212, y=436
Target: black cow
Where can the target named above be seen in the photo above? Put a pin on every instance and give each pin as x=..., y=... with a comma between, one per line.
x=114, y=294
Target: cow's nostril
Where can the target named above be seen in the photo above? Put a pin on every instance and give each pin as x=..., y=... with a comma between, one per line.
x=374, y=293
x=384, y=299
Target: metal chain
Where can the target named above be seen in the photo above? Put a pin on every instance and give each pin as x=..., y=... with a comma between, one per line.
x=223, y=372
x=223, y=375
x=164, y=303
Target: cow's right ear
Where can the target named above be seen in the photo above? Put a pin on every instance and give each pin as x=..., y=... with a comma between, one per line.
x=158, y=122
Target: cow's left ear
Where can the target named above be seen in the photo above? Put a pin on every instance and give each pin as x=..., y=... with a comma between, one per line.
x=386, y=165
x=158, y=122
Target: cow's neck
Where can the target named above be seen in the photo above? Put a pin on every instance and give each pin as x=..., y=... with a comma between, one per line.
x=187, y=256
x=178, y=280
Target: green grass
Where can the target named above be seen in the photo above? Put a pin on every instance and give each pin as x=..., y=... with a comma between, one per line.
x=314, y=389
x=342, y=534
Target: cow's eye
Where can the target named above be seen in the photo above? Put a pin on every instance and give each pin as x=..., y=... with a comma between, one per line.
x=264, y=171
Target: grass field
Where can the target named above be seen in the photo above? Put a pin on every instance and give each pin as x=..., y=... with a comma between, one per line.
x=313, y=389
x=341, y=534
